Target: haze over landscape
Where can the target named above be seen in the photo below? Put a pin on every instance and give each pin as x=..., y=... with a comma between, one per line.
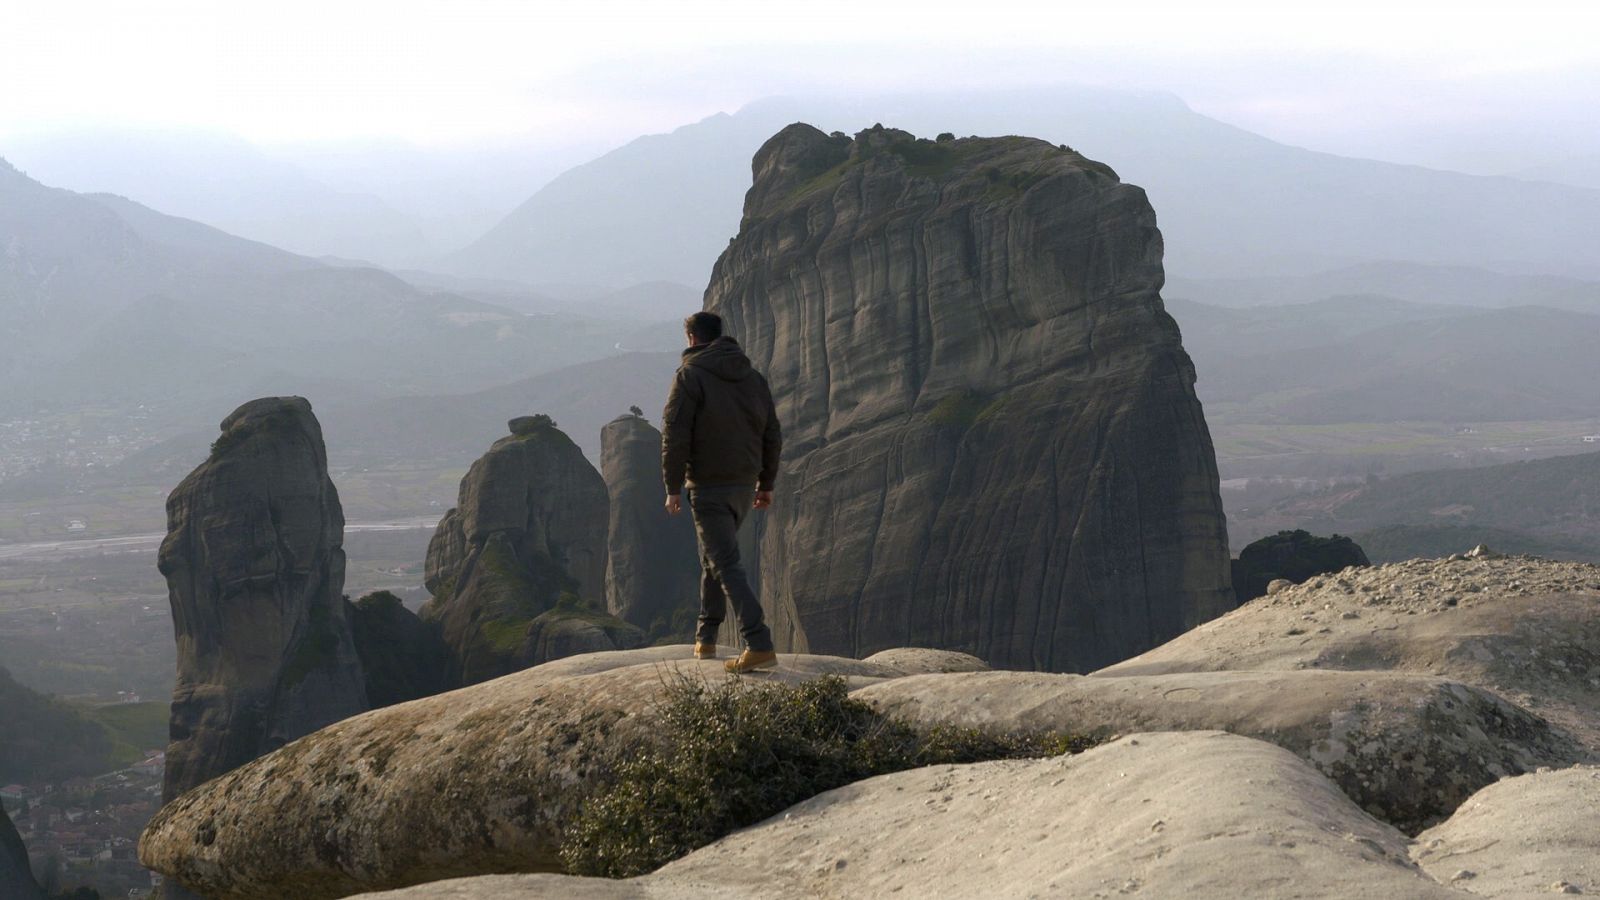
x=1073, y=316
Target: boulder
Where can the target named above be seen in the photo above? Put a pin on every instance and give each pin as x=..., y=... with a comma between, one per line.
x=16, y=876
x=254, y=563
x=482, y=779
x=402, y=657
x=1289, y=558
x=922, y=660
x=1406, y=748
x=1534, y=834
x=1527, y=629
x=653, y=567
x=561, y=633
x=1202, y=814
x=529, y=529
x=992, y=441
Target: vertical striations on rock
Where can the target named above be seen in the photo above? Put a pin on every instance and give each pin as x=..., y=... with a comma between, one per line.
x=528, y=531
x=254, y=563
x=993, y=443
x=653, y=568
x=16, y=876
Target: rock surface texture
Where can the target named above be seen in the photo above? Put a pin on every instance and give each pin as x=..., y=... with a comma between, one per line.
x=1406, y=748
x=1289, y=558
x=529, y=527
x=992, y=439
x=478, y=780
x=254, y=563
x=1198, y=815
x=1362, y=704
x=16, y=876
x=402, y=657
x=653, y=567
x=558, y=634
x=1535, y=834
x=1524, y=628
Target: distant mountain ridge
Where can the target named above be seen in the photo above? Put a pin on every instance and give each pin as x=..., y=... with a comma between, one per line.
x=1230, y=202
x=1376, y=359
x=1553, y=498
x=105, y=301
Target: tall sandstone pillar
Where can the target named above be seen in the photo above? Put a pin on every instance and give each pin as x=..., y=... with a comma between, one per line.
x=652, y=569
x=254, y=563
x=992, y=438
x=526, y=539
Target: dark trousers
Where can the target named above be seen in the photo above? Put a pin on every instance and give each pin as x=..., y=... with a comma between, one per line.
x=718, y=512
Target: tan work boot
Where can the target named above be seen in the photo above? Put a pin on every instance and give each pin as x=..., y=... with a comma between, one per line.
x=705, y=651
x=751, y=660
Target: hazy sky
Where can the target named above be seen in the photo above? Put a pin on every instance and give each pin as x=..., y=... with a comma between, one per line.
x=1476, y=85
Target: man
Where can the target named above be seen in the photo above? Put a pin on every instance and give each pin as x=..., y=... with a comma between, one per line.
x=720, y=438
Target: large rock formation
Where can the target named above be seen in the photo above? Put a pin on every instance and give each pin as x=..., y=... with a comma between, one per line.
x=402, y=657
x=1407, y=749
x=1202, y=815
x=653, y=573
x=1400, y=689
x=483, y=779
x=254, y=563
x=529, y=529
x=16, y=876
x=1524, y=628
x=1293, y=556
x=992, y=439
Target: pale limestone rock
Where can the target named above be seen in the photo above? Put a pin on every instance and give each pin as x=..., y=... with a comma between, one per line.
x=1196, y=815
x=254, y=563
x=1523, y=835
x=478, y=780
x=1407, y=749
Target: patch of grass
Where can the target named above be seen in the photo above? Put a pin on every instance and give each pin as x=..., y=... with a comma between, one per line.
x=731, y=755
x=964, y=409
x=133, y=727
x=505, y=635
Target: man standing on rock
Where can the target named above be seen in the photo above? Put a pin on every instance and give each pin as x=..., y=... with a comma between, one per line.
x=720, y=437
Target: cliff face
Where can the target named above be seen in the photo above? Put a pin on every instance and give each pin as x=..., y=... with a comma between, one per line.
x=254, y=563
x=16, y=876
x=653, y=568
x=402, y=657
x=992, y=440
x=528, y=528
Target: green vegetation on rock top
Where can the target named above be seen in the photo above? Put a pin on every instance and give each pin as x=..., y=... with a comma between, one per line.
x=733, y=754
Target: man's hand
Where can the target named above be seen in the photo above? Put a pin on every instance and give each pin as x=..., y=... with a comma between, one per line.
x=763, y=499
x=674, y=504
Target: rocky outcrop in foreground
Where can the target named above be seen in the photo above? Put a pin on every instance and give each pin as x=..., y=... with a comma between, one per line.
x=992, y=438
x=1526, y=629
x=254, y=563
x=1354, y=727
x=1198, y=815
x=653, y=570
x=16, y=877
x=528, y=529
x=1533, y=834
x=483, y=779
x=1458, y=695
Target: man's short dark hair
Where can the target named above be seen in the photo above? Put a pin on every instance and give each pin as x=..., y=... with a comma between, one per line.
x=704, y=326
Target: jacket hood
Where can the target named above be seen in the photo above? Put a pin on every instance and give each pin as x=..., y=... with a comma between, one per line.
x=722, y=357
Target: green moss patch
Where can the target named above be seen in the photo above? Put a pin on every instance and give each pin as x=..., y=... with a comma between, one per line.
x=964, y=409
x=731, y=755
